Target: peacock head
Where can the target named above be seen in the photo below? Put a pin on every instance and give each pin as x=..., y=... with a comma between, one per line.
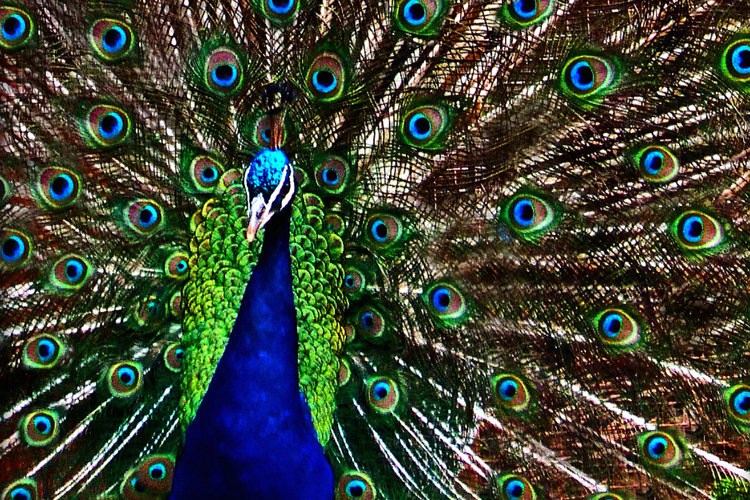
x=269, y=183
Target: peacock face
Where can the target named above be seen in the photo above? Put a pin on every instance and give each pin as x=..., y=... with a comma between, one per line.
x=269, y=183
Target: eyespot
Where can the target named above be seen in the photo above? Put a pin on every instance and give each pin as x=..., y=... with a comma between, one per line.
x=332, y=174
x=425, y=126
x=175, y=304
x=657, y=164
x=660, y=449
x=58, y=187
x=529, y=215
x=42, y=352
x=23, y=489
x=446, y=303
x=111, y=39
x=270, y=131
x=174, y=355
x=151, y=478
x=384, y=231
x=39, y=428
x=205, y=173
x=124, y=379
x=16, y=27
x=738, y=402
x=355, y=281
x=587, y=76
x=149, y=311
x=15, y=248
x=223, y=72
x=345, y=373
x=511, y=392
x=617, y=328
x=107, y=125
x=523, y=13
x=70, y=273
x=176, y=266
x=370, y=323
x=515, y=487
x=280, y=10
x=382, y=394
x=143, y=216
x=419, y=17
x=735, y=61
x=355, y=486
x=326, y=79
x=697, y=231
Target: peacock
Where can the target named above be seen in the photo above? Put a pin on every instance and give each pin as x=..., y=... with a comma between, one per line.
x=400, y=249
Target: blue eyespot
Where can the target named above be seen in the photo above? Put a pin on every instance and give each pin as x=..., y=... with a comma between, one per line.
x=420, y=127
x=157, y=471
x=415, y=13
x=514, y=489
x=62, y=187
x=148, y=216
x=582, y=76
x=367, y=320
x=74, y=270
x=42, y=424
x=324, y=81
x=114, y=39
x=20, y=493
x=181, y=266
x=441, y=299
x=742, y=403
x=224, y=75
x=13, y=27
x=612, y=325
x=126, y=375
x=13, y=249
x=741, y=60
x=523, y=213
x=692, y=229
x=657, y=447
x=280, y=6
x=380, y=391
x=508, y=389
x=525, y=9
x=209, y=174
x=46, y=350
x=356, y=488
x=330, y=176
x=111, y=125
x=653, y=162
x=379, y=231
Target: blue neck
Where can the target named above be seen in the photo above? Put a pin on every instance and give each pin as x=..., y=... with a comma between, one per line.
x=252, y=436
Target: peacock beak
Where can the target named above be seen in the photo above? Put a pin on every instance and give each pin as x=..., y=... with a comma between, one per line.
x=262, y=209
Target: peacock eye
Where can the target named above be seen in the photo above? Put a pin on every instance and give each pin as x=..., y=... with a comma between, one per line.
x=384, y=231
x=735, y=61
x=16, y=27
x=425, y=126
x=151, y=478
x=738, y=402
x=176, y=266
x=355, y=486
x=107, y=125
x=511, y=392
x=354, y=281
x=174, y=355
x=529, y=215
x=586, y=76
x=332, y=174
x=58, y=187
x=660, y=449
x=223, y=71
x=23, y=489
x=270, y=131
x=697, y=231
x=42, y=352
x=382, y=395
x=39, y=428
x=124, y=378
x=419, y=17
x=617, y=328
x=205, y=173
x=111, y=40
x=326, y=78
x=523, y=13
x=370, y=323
x=515, y=487
x=446, y=302
x=280, y=10
x=657, y=163
x=143, y=216
x=345, y=373
x=70, y=272
x=15, y=248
